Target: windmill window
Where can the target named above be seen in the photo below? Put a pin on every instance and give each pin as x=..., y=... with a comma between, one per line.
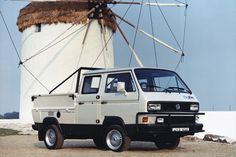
x=38, y=28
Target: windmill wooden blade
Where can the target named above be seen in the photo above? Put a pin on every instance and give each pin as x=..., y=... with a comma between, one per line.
x=150, y=36
x=130, y=47
x=151, y=4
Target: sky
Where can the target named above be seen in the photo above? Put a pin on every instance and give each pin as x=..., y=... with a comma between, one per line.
x=208, y=67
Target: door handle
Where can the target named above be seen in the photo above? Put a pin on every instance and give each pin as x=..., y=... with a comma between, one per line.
x=104, y=102
x=81, y=103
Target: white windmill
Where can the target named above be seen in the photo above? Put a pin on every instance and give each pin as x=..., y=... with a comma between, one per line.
x=58, y=37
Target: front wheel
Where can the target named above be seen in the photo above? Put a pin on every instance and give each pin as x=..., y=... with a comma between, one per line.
x=116, y=139
x=53, y=138
x=168, y=143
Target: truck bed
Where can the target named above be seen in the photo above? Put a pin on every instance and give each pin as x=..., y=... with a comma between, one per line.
x=60, y=106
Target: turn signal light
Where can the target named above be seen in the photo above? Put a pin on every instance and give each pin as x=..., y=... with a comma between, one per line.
x=145, y=119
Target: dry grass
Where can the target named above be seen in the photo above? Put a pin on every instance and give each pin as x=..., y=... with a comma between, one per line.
x=57, y=12
x=6, y=132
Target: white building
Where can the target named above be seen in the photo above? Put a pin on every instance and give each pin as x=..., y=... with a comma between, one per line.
x=52, y=47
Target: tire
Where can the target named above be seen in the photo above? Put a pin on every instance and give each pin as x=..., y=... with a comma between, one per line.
x=53, y=138
x=168, y=144
x=116, y=139
x=99, y=142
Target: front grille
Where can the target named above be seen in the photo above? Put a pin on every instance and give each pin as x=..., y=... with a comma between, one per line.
x=174, y=106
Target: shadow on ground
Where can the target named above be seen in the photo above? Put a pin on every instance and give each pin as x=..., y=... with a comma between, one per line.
x=88, y=144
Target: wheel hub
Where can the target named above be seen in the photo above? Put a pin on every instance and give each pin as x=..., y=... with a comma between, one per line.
x=50, y=137
x=114, y=139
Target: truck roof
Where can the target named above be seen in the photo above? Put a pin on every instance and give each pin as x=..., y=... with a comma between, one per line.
x=107, y=70
x=91, y=71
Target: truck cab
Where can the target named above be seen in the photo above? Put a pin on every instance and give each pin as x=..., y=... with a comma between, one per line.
x=116, y=106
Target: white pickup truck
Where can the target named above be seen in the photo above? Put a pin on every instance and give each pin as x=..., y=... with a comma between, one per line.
x=116, y=106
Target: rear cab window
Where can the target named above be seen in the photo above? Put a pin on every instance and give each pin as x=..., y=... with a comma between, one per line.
x=91, y=84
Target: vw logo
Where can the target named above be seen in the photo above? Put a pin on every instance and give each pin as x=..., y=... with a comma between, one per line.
x=177, y=106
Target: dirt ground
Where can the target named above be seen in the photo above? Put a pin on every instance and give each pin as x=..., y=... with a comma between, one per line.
x=28, y=146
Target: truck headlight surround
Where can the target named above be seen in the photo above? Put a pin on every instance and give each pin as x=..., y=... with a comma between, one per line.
x=196, y=118
x=194, y=107
x=154, y=107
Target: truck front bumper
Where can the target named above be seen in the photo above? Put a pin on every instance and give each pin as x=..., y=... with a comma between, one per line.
x=169, y=123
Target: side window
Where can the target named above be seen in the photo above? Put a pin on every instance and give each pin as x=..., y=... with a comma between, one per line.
x=91, y=84
x=113, y=79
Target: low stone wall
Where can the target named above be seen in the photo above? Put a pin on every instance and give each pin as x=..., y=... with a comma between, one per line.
x=217, y=138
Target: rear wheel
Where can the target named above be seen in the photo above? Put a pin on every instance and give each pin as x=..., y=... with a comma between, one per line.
x=116, y=139
x=168, y=143
x=53, y=138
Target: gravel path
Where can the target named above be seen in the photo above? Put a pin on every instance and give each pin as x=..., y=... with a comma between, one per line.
x=28, y=146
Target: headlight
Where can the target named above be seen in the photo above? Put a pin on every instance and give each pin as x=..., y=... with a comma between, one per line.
x=154, y=107
x=194, y=107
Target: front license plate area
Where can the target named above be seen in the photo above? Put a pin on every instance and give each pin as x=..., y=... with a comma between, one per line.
x=180, y=129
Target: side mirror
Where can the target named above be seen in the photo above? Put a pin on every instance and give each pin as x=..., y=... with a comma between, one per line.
x=121, y=88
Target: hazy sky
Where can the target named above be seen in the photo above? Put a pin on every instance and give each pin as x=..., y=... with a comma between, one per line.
x=208, y=67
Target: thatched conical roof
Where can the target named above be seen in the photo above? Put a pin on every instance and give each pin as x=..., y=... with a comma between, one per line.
x=56, y=12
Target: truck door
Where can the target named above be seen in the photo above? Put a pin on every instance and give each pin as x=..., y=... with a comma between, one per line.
x=88, y=100
x=114, y=103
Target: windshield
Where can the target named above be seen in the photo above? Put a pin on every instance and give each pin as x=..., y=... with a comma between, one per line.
x=156, y=80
